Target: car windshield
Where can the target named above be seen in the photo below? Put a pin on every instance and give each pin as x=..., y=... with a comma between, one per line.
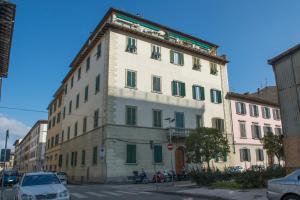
x=10, y=173
x=42, y=179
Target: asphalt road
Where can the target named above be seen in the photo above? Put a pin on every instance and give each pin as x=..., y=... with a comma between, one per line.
x=114, y=192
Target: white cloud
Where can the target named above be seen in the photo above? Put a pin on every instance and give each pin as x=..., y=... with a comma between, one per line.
x=17, y=129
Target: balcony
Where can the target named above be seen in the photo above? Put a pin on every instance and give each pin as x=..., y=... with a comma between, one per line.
x=180, y=132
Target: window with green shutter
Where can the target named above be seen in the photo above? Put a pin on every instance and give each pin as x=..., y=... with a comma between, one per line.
x=216, y=96
x=83, y=157
x=198, y=93
x=213, y=69
x=155, y=52
x=157, y=153
x=95, y=155
x=131, y=115
x=156, y=84
x=157, y=118
x=131, y=153
x=88, y=64
x=179, y=120
x=131, y=79
x=99, y=50
x=178, y=88
x=176, y=58
x=131, y=45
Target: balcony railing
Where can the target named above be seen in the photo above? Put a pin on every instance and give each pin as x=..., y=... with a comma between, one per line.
x=179, y=132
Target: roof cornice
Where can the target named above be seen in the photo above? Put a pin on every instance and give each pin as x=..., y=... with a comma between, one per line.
x=233, y=95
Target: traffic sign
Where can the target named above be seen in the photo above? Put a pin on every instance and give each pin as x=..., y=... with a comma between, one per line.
x=170, y=146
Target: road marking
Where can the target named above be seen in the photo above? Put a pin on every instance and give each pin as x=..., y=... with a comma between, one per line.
x=77, y=195
x=124, y=192
x=111, y=193
x=95, y=194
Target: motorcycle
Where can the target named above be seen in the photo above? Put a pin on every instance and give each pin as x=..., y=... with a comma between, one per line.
x=158, y=177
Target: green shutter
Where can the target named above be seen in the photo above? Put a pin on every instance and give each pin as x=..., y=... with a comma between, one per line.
x=131, y=153
x=133, y=79
x=128, y=78
x=182, y=89
x=219, y=94
x=194, y=92
x=174, y=90
x=181, y=59
x=133, y=42
x=212, y=95
x=158, y=154
x=171, y=56
x=202, y=93
x=133, y=116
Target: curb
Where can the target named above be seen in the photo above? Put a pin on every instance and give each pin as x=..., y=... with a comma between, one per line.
x=192, y=195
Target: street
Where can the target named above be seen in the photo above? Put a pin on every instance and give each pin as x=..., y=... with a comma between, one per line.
x=112, y=192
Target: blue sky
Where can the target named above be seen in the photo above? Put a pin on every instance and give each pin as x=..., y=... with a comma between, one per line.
x=49, y=33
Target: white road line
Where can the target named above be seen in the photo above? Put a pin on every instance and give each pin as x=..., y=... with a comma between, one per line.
x=96, y=194
x=124, y=192
x=79, y=196
x=111, y=193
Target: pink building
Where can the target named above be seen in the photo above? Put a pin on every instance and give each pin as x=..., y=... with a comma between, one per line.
x=253, y=115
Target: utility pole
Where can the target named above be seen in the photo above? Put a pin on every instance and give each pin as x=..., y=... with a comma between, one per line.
x=170, y=120
x=4, y=160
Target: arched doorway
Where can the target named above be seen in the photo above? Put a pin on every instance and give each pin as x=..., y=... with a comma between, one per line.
x=179, y=160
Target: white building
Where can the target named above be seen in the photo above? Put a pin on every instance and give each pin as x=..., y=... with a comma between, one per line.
x=128, y=78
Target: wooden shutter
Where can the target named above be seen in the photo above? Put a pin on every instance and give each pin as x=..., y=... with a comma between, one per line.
x=219, y=95
x=241, y=155
x=212, y=95
x=253, y=131
x=202, y=93
x=237, y=107
x=249, y=155
x=181, y=58
x=174, y=88
x=194, y=91
x=157, y=153
x=171, y=56
x=182, y=89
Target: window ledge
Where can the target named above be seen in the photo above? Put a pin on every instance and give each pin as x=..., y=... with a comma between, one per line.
x=154, y=163
x=157, y=92
x=130, y=163
x=243, y=138
x=132, y=88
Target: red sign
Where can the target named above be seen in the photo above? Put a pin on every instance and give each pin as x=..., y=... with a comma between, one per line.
x=170, y=146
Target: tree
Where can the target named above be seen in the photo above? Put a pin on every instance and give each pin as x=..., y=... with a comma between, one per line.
x=204, y=144
x=273, y=144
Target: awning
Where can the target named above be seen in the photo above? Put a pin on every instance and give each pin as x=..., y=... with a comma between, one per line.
x=7, y=17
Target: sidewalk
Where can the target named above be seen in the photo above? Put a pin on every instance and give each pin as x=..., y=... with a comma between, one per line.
x=191, y=190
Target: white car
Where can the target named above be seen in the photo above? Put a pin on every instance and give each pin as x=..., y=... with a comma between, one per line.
x=286, y=188
x=41, y=186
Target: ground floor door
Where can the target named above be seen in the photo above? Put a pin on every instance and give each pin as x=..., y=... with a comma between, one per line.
x=179, y=160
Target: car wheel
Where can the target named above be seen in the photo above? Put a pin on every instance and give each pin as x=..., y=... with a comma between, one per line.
x=291, y=197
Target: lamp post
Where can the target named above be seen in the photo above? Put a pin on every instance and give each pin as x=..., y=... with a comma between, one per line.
x=4, y=159
x=171, y=120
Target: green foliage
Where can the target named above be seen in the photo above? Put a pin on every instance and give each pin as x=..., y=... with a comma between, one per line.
x=203, y=144
x=273, y=144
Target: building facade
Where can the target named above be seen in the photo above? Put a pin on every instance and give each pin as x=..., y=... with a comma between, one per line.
x=53, y=155
x=252, y=118
x=134, y=87
x=30, y=151
x=286, y=67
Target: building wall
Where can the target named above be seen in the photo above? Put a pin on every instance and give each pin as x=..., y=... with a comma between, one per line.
x=249, y=142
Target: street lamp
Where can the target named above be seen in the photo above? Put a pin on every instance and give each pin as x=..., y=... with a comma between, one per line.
x=171, y=120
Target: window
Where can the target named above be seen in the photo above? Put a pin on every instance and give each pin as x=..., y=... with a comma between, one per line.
x=88, y=64
x=268, y=129
x=59, y=102
x=83, y=157
x=218, y=124
x=198, y=93
x=64, y=112
x=179, y=120
x=178, y=88
x=245, y=155
x=67, y=159
x=131, y=153
x=259, y=155
x=99, y=50
x=48, y=143
x=199, y=121
x=68, y=133
x=66, y=88
x=70, y=107
x=52, y=142
x=86, y=93
x=216, y=96
x=243, y=133
x=95, y=150
x=240, y=108
x=77, y=101
x=60, y=160
x=58, y=117
x=56, y=140
x=196, y=63
x=266, y=112
x=72, y=81
x=97, y=84
x=96, y=118
x=84, y=124
x=254, y=110
x=156, y=84
x=74, y=158
x=75, y=129
x=157, y=153
x=49, y=124
x=131, y=79
x=176, y=58
x=131, y=115
x=276, y=114
x=213, y=69
x=62, y=135
x=157, y=118
x=50, y=111
x=131, y=45
x=256, y=131
x=54, y=106
x=79, y=74
x=53, y=121
x=278, y=131
x=155, y=52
